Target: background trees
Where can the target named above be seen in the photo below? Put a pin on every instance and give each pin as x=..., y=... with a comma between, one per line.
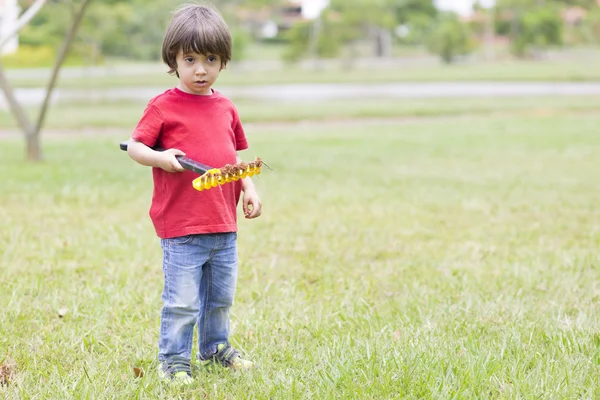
x=83, y=32
x=132, y=29
x=31, y=128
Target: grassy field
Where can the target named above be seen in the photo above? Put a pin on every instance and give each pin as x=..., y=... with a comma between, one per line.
x=250, y=73
x=125, y=114
x=452, y=258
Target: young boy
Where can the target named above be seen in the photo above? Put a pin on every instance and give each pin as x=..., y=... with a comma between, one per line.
x=197, y=229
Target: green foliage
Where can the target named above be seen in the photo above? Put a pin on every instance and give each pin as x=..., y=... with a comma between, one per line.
x=47, y=28
x=118, y=28
x=128, y=29
x=240, y=41
x=530, y=4
x=36, y=56
x=324, y=36
x=450, y=38
x=133, y=28
x=364, y=13
x=417, y=16
x=537, y=29
x=346, y=21
x=297, y=37
x=590, y=28
x=407, y=10
x=419, y=28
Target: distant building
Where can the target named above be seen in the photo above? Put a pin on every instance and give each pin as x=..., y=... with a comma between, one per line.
x=9, y=14
x=311, y=9
x=292, y=11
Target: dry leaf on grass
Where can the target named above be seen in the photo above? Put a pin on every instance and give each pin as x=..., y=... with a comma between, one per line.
x=62, y=312
x=138, y=372
x=7, y=372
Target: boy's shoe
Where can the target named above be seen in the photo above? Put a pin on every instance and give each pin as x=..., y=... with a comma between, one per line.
x=228, y=356
x=177, y=371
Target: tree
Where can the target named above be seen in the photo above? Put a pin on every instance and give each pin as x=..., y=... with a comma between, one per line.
x=537, y=30
x=371, y=18
x=31, y=129
x=591, y=26
x=417, y=18
x=345, y=22
x=406, y=10
x=321, y=38
x=535, y=24
x=450, y=38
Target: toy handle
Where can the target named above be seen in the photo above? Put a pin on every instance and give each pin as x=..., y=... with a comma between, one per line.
x=185, y=162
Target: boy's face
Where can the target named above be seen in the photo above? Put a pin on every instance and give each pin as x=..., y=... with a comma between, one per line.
x=197, y=72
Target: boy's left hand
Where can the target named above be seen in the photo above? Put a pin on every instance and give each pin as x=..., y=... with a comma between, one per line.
x=251, y=204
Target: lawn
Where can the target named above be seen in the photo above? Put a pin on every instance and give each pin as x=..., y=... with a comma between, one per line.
x=569, y=68
x=452, y=258
x=125, y=114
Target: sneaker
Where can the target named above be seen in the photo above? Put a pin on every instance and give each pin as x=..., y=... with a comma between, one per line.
x=228, y=356
x=177, y=370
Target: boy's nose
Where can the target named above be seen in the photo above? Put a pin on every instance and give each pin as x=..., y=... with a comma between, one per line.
x=200, y=71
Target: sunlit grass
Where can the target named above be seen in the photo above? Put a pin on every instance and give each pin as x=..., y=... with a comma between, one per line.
x=437, y=259
x=82, y=115
x=570, y=68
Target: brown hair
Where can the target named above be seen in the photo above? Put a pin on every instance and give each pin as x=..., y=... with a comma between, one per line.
x=197, y=29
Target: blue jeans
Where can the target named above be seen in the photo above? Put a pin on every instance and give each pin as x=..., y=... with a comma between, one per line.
x=200, y=278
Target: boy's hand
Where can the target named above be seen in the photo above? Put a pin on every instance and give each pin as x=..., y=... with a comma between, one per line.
x=251, y=204
x=168, y=162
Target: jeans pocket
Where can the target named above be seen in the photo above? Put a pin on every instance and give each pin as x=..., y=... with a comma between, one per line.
x=181, y=240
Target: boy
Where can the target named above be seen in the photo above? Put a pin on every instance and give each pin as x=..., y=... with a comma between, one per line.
x=197, y=229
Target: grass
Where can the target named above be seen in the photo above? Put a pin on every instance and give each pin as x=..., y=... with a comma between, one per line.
x=440, y=259
x=83, y=115
x=254, y=73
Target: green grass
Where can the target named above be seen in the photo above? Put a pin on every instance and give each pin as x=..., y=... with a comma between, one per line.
x=82, y=115
x=573, y=69
x=441, y=259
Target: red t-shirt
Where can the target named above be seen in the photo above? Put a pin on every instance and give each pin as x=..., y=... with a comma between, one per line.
x=207, y=129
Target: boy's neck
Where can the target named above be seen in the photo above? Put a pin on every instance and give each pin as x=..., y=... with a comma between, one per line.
x=181, y=88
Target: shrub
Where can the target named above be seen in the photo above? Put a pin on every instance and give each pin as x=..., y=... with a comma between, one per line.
x=36, y=56
x=450, y=38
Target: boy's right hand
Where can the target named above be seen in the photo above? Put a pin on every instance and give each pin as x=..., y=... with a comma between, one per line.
x=168, y=161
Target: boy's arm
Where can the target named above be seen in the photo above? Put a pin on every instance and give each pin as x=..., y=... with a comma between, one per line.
x=250, y=197
x=144, y=155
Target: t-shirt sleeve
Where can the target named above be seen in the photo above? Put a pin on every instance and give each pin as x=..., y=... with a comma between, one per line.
x=241, y=143
x=149, y=127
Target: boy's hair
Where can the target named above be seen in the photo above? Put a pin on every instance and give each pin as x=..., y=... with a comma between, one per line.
x=197, y=29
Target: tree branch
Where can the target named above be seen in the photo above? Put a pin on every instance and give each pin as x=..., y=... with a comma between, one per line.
x=16, y=108
x=64, y=50
x=24, y=19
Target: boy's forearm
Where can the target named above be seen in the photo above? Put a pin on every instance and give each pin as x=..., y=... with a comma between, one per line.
x=143, y=154
x=248, y=185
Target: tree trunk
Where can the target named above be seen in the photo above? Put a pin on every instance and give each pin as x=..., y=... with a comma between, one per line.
x=383, y=43
x=62, y=54
x=313, y=46
x=490, y=34
x=33, y=148
x=34, y=152
x=31, y=131
x=349, y=60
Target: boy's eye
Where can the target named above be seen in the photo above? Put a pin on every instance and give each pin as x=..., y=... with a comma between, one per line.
x=213, y=58
x=189, y=59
